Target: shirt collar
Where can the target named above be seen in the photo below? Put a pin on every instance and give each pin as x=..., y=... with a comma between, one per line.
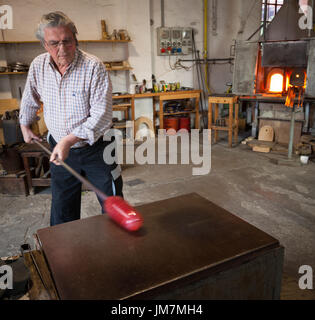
x=71, y=65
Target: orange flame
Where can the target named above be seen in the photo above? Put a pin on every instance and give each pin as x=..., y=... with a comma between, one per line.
x=276, y=83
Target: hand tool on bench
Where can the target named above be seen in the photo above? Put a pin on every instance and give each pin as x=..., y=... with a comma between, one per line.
x=117, y=208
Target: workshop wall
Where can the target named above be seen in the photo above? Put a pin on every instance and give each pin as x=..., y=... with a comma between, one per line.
x=236, y=19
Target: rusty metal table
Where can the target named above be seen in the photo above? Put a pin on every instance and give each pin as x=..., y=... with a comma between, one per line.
x=188, y=248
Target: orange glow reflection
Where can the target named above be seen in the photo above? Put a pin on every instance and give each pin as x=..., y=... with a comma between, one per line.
x=276, y=83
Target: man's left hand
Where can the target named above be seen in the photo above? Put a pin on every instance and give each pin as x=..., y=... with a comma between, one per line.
x=61, y=150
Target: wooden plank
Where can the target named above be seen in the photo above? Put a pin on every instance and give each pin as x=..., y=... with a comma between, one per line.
x=8, y=105
x=12, y=73
x=177, y=95
x=220, y=128
x=164, y=94
x=227, y=100
x=40, y=182
x=1, y=136
x=120, y=126
x=236, y=123
x=123, y=96
x=181, y=112
x=255, y=142
x=14, y=186
x=230, y=125
x=261, y=149
x=45, y=274
x=121, y=107
x=216, y=115
x=37, y=290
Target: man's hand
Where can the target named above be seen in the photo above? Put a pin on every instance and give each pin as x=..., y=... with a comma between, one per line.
x=61, y=150
x=28, y=134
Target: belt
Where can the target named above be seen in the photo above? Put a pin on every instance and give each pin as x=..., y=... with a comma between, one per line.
x=88, y=145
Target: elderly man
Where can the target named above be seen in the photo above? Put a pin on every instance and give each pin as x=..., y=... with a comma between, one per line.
x=75, y=89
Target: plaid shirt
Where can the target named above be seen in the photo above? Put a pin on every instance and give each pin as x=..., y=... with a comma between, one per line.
x=79, y=102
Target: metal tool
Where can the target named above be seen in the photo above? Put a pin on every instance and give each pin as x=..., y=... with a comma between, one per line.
x=117, y=208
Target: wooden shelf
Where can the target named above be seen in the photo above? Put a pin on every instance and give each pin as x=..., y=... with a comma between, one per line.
x=180, y=112
x=123, y=96
x=120, y=69
x=19, y=42
x=119, y=125
x=122, y=105
x=9, y=73
x=87, y=41
x=80, y=41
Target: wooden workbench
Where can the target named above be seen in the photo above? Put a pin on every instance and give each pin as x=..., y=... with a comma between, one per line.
x=188, y=248
x=160, y=97
x=232, y=126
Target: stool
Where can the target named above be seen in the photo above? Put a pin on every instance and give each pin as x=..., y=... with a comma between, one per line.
x=34, y=178
x=232, y=126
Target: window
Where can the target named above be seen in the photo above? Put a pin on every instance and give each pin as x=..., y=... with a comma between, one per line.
x=272, y=7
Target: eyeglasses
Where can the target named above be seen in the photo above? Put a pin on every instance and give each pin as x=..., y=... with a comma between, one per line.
x=56, y=44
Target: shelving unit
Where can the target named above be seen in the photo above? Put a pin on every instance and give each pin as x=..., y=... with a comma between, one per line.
x=127, y=107
x=80, y=41
x=19, y=47
x=11, y=73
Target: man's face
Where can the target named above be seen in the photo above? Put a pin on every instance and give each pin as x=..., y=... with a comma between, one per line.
x=60, y=43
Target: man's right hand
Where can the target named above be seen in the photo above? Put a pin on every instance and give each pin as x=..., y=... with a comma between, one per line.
x=28, y=134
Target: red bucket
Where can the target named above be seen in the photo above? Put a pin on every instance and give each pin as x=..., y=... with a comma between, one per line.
x=184, y=123
x=171, y=123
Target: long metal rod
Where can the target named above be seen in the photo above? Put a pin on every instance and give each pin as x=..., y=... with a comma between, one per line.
x=201, y=85
x=255, y=32
x=162, y=14
x=265, y=19
x=206, y=60
x=204, y=94
x=291, y=133
x=89, y=185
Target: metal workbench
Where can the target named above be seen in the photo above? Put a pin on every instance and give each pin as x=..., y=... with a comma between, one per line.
x=188, y=248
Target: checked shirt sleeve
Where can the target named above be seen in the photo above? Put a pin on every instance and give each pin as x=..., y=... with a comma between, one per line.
x=30, y=103
x=100, y=118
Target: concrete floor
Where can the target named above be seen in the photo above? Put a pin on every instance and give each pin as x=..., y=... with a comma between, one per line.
x=278, y=199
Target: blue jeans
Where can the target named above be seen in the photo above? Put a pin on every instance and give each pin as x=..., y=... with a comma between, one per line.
x=66, y=189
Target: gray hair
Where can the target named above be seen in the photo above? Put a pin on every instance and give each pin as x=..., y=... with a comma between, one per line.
x=55, y=19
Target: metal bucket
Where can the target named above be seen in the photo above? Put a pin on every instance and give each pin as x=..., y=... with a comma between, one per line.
x=12, y=132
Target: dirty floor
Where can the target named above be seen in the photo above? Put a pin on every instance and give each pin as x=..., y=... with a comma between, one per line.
x=277, y=198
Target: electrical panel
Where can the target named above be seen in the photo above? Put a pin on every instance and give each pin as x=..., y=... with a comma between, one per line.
x=174, y=41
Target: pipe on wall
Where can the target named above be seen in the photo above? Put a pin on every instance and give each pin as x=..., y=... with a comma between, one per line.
x=205, y=40
x=162, y=14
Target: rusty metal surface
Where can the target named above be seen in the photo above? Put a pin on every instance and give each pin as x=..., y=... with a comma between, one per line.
x=244, y=67
x=284, y=54
x=182, y=237
x=310, y=79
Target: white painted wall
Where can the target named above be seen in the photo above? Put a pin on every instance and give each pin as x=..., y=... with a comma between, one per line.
x=236, y=19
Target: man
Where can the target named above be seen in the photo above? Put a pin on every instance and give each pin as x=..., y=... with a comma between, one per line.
x=76, y=92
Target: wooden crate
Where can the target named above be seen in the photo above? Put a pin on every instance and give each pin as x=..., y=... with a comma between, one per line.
x=13, y=185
